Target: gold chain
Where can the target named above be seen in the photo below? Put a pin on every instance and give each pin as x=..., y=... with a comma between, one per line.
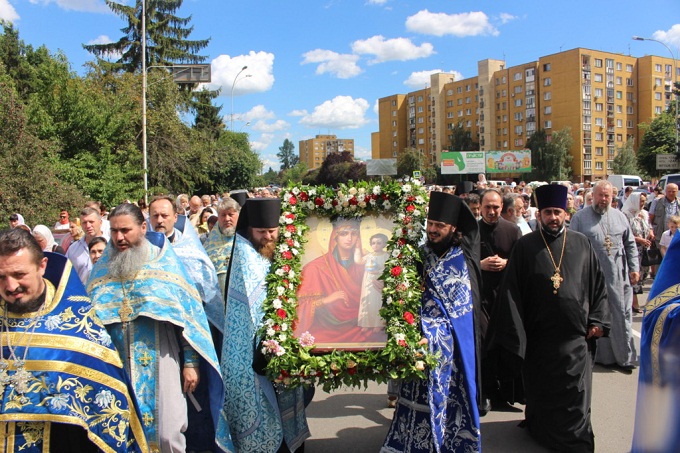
x=556, y=278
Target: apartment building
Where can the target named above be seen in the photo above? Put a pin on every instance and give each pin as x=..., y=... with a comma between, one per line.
x=601, y=97
x=314, y=150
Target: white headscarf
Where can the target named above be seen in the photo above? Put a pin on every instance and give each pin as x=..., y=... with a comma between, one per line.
x=632, y=205
x=47, y=234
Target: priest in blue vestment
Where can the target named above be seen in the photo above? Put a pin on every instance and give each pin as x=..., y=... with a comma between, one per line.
x=63, y=386
x=154, y=314
x=657, y=415
x=441, y=413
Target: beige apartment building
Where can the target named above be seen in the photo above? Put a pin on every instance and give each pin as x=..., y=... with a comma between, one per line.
x=601, y=97
x=314, y=150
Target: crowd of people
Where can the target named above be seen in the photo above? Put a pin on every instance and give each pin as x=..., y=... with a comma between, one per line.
x=138, y=328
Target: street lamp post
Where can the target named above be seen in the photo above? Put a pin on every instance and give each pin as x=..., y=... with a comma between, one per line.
x=231, y=127
x=673, y=79
x=144, y=151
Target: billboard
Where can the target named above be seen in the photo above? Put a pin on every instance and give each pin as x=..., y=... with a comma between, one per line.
x=508, y=161
x=381, y=167
x=460, y=162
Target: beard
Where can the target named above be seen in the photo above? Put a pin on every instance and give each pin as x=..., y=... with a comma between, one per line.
x=125, y=264
x=21, y=308
x=228, y=231
x=442, y=244
x=266, y=249
x=600, y=210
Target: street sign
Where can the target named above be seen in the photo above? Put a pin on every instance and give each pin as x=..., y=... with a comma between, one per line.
x=667, y=162
x=416, y=174
x=191, y=73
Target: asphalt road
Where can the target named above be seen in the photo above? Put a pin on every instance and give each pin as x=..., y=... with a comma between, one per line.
x=357, y=420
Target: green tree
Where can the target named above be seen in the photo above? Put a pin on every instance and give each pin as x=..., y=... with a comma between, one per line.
x=271, y=176
x=337, y=168
x=30, y=184
x=294, y=175
x=167, y=40
x=461, y=139
x=287, y=155
x=550, y=160
x=207, y=118
x=625, y=161
x=658, y=138
x=408, y=161
x=234, y=165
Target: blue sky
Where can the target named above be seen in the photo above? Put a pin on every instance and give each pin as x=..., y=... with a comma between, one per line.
x=319, y=67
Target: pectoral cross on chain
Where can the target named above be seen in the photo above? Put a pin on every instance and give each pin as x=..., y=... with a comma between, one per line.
x=608, y=244
x=557, y=280
x=125, y=311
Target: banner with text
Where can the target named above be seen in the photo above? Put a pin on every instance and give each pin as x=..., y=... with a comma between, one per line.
x=508, y=161
x=460, y=162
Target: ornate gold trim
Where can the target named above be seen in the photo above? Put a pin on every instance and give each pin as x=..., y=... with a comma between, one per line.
x=656, y=340
x=663, y=297
x=70, y=343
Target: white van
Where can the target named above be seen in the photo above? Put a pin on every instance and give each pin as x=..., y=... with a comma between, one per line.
x=667, y=179
x=621, y=181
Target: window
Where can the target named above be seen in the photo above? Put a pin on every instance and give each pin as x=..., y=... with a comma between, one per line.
x=587, y=164
x=460, y=101
x=394, y=103
x=504, y=80
x=619, y=123
x=449, y=115
x=618, y=66
x=519, y=116
x=421, y=130
x=394, y=153
x=629, y=96
x=586, y=105
x=598, y=165
x=598, y=77
x=394, y=124
x=394, y=113
x=629, y=124
x=449, y=103
x=599, y=151
x=529, y=73
x=519, y=130
x=394, y=133
x=609, y=63
x=421, y=141
x=460, y=113
x=467, y=99
x=468, y=111
x=459, y=90
x=420, y=109
x=629, y=82
x=518, y=89
x=598, y=62
x=657, y=67
x=619, y=81
x=420, y=120
x=599, y=122
x=657, y=110
x=657, y=96
x=449, y=92
x=629, y=110
x=547, y=95
x=517, y=76
x=629, y=68
x=619, y=95
x=394, y=144
x=598, y=92
x=467, y=87
x=619, y=137
x=547, y=110
x=546, y=67
x=518, y=102
x=547, y=124
x=519, y=142
x=657, y=81
x=599, y=136
x=599, y=107
x=547, y=82
x=420, y=98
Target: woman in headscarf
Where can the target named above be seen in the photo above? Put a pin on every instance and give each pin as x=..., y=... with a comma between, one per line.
x=642, y=230
x=46, y=240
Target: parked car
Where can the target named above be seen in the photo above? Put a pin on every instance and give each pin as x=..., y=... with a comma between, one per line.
x=621, y=181
x=667, y=179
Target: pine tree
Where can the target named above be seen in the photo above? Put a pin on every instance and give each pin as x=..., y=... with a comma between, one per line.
x=166, y=42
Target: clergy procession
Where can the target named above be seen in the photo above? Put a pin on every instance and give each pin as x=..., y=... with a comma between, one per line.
x=167, y=327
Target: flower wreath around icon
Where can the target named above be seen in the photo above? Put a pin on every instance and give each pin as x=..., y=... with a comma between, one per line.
x=291, y=359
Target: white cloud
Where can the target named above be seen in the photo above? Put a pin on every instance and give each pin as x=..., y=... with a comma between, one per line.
x=263, y=126
x=257, y=78
x=671, y=36
x=259, y=112
x=376, y=107
x=377, y=2
x=401, y=49
x=7, y=12
x=421, y=79
x=342, y=112
x=461, y=25
x=262, y=143
x=362, y=153
x=302, y=112
x=506, y=17
x=101, y=39
x=94, y=6
x=342, y=66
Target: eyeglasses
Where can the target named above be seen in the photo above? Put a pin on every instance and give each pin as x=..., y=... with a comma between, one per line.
x=62, y=216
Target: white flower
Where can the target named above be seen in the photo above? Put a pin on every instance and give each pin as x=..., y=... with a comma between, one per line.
x=362, y=190
x=345, y=203
x=283, y=247
x=284, y=327
x=401, y=216
x=291, y=274
x=280, y=290
x=280, y=351
x=283, y=337
x=353, y=207
x=338, y=208
x=104, y=337
x=395, y=253
x=287, y=220
x=296, y=191
x=59, y=401
x=287, y=234
x=271, y=332
x=420, y=199
x=400, y=337
x=286, y=197
x=416, y=213
x=406, y=188
x=103, y=399
x=311, y=192
x=420, y=365
x=376, y=190
x=269, y=322
x=387, y=205
x=388, y=300
x=277, y=303
x=327, y=205
x=352, y=191
x=362, y=204
x=279, y=272
x=52, y=322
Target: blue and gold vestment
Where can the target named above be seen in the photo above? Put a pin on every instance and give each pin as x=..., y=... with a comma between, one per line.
x=77, y=375
x=162, y=291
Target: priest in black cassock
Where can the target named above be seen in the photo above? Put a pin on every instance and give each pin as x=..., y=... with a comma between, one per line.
x=552, y=307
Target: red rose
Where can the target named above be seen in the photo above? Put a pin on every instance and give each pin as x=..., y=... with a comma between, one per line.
x=286, y=268
x=287, y=255
x=291, y=228
x=407, y=220
x=410, y=208
x=385, y=197
x=276, y=327
x=285, y=373
x=408, y=317
x=290, y=242
x=281, y=313
x=285, y=281
x=374, y=196
x=353, y=201
x=318, y=201
x=334, y=202
x=304, y=196
x=402, y=343
x=292, y=200
x=352, y=370
x=367, y=199
x=290, y=215
x=401, y=242
x=401, y=287
x=396, y=271
x=410, y=198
